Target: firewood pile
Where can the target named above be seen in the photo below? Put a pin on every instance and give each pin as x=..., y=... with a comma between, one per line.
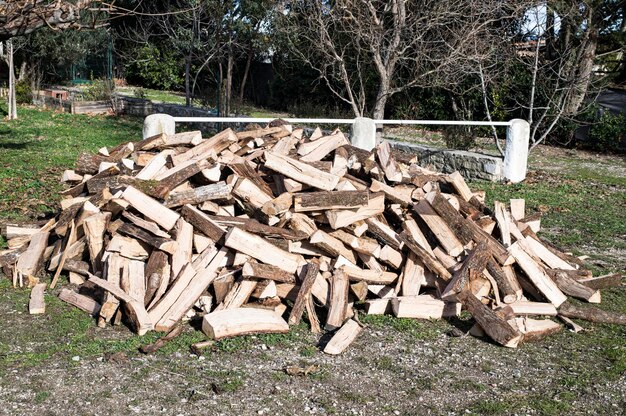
x=255, y=230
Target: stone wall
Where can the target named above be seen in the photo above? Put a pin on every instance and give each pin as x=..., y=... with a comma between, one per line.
x=471, y=165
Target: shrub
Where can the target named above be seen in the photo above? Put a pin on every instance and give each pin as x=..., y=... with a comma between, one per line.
x=140, y=93
x=23, y=92
x=608, y=132
x=459, y=137
x=99, y=90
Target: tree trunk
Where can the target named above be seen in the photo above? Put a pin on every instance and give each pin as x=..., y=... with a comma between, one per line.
x=229, y=81
x=245, y=73
x=583, y=73
x=381, y=99
x=12, y=98
x=187, y=75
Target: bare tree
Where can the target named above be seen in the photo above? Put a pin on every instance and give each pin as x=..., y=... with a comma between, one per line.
x=387, y=46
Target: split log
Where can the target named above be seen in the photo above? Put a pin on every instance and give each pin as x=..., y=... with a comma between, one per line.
x=440, y=229
x=164, y=244
x=343, y=218
x=300, y=171
x=457, y=181
x=37, y=304
x=29, y=263
x=198, y=195
x=538, y=277
x=312, y=269
x=318, y=149
x=496, y=327
x=255, y=227
x=266, y=271
x=423, y=307
x=83, y=302
x=242, y=321
x=573, y=288
x=473, y=266
x=151, y=208
x=602, y=282
x=592, y=314
x=332, y=245
x=137, y=312
x=356, y=274
x=429, y=261
x=319, y=201
x=536, y=330
x=343, y=338
x=209, y=147
x=203, y=223
x=338, y=304
x=522, y=307
x=388, y=162
x=238, y=294
x=258, y=248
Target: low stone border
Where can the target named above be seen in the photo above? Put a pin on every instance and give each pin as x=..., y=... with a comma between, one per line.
x=470, y=164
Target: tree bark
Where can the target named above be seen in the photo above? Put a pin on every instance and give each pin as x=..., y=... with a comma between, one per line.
x=246, y=71
x=12, y=98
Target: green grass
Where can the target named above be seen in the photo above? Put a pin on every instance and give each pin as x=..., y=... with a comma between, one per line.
x=172, y=97
x=36, y=148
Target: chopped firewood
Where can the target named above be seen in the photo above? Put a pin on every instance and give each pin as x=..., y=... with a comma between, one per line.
x=301, y=172
x=338, y=303
x=37, y=305
x=523, y=307
x=439, y=227
x=198, y=195
x=343, y=218
x=602, y=282
x=246, y=228
x=591, y=314
x=503, y=220
x=242, y=321
x=537, y=276
x=260, y=249
x=473, y=266
x=343, y=337
x=151, y=208
x=574, y=288
x=318, y=201
x=83, y=302
x=30, y=262
x=536, y=329
x=498, y=329
x=266, y=271
x=312, y=269
x=518, y=209
x=423, y=307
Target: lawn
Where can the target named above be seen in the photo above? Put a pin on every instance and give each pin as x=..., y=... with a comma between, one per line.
x=63, y=363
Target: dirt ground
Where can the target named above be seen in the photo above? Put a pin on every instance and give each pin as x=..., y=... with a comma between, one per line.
x=396, y=367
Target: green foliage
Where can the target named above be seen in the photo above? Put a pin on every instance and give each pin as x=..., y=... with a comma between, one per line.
x=99, y=90
x=23, y=92
x=156, y=68
x=459, y=137
x=608, y=133
x=140, y=92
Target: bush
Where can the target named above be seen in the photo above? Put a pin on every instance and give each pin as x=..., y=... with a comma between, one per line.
x=140, y=93
x=608, y=132
x=99, y=90
x=459, y=137
x=23, y=92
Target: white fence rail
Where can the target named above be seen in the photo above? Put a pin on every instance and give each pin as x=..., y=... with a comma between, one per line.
x=364, y=133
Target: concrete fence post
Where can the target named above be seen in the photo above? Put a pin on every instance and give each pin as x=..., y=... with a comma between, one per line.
x=516, y=151
x=158, y=123
x=363, y=133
